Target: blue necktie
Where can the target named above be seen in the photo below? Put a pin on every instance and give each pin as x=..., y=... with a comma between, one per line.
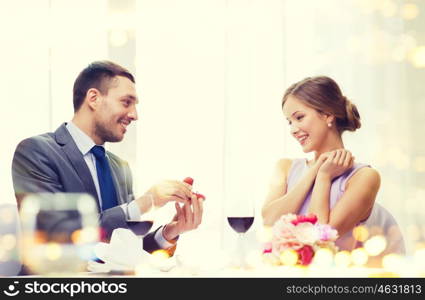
x=106, y=184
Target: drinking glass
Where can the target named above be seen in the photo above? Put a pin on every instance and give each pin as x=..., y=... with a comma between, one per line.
x=240, y=217
x=142, y=226
x=58, y=232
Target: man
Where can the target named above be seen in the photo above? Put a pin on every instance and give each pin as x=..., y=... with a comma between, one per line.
x=73, y=159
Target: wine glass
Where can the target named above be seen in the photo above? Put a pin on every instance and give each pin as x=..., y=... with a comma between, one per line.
x=58, y=232
x=142, y=226
x=240, y=217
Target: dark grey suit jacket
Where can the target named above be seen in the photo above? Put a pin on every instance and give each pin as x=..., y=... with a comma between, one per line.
x=52, y=163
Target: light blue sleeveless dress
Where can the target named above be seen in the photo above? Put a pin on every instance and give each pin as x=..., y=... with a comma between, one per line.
x=379, y=216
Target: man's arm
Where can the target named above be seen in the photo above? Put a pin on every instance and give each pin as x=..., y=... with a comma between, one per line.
x=35, y=171
x=32, y=171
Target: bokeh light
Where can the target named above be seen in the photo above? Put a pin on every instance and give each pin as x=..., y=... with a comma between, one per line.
x=53, y=251
x=375, y=245
x=85, y=235
x=409, y=11
x=419, y=164
x=8, y=241
x=360, y=233
x=392, y=262
x=289, y=257
x=159, y=256
x=342, y=259
x=417, y=57
x=388, y=8
x=359, y=256
x=323, y=257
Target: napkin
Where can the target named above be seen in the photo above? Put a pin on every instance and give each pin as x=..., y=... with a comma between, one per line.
x=125, y=253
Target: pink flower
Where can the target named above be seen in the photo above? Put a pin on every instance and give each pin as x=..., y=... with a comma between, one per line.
x=326, y=232
x=311, y=218
x=306, y=254
x=302, y=234
x=283, y=229
x=288, y=218
x=267, y=248
x=306, y=233
x=278, y=247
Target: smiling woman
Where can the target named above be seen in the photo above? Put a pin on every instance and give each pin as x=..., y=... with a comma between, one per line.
x=340, y=191
x=319, y=99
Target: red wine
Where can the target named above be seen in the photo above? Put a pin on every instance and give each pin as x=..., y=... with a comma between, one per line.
x=140, y=227
x=240, y=224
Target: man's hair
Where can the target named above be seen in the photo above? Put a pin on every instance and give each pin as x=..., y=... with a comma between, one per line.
x=97, y=75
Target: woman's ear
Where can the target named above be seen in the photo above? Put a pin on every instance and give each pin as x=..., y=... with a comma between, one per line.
x=330, y=118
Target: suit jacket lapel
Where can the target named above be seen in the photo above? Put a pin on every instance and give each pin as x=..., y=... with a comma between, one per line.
x=77, y=160
x=116, y=175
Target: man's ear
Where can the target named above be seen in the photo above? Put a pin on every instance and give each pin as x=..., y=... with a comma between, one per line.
x=92, y=98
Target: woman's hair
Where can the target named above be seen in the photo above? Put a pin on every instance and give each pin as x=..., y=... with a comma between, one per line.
x=323, y=94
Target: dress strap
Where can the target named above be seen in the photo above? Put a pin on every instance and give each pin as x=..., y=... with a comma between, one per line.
x=350, y=174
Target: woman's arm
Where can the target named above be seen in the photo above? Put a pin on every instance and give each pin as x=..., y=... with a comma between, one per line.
x=337, y=163
x=358, y=198
x=357, y=201
x=278, y=202
x=319, y=204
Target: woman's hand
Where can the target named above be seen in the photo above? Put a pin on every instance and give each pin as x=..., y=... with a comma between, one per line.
x=319, y=162
x=336, y=163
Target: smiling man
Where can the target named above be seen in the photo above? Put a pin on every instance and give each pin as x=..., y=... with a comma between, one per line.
x=73, y=160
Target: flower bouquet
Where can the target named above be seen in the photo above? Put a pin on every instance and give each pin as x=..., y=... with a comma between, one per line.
x=301, y=236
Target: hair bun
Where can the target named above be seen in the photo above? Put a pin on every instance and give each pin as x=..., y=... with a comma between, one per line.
x=352, y=121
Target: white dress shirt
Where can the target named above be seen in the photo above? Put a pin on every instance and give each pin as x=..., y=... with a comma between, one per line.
x=131, y=210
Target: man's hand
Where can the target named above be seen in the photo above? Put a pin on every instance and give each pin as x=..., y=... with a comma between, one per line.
x=163, y=192
x=187, y=217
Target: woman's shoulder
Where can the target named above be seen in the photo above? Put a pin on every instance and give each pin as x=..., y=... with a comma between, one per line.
x=365, y=174
x=284, y=162
x=282, y=167
x=366, y=170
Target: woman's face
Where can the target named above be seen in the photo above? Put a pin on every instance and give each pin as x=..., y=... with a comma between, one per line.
x=308, y=126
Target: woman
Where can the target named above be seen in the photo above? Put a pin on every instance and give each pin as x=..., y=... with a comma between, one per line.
x=332, y=186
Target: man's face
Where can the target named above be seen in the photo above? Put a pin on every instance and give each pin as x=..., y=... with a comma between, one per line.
x=117, y=109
